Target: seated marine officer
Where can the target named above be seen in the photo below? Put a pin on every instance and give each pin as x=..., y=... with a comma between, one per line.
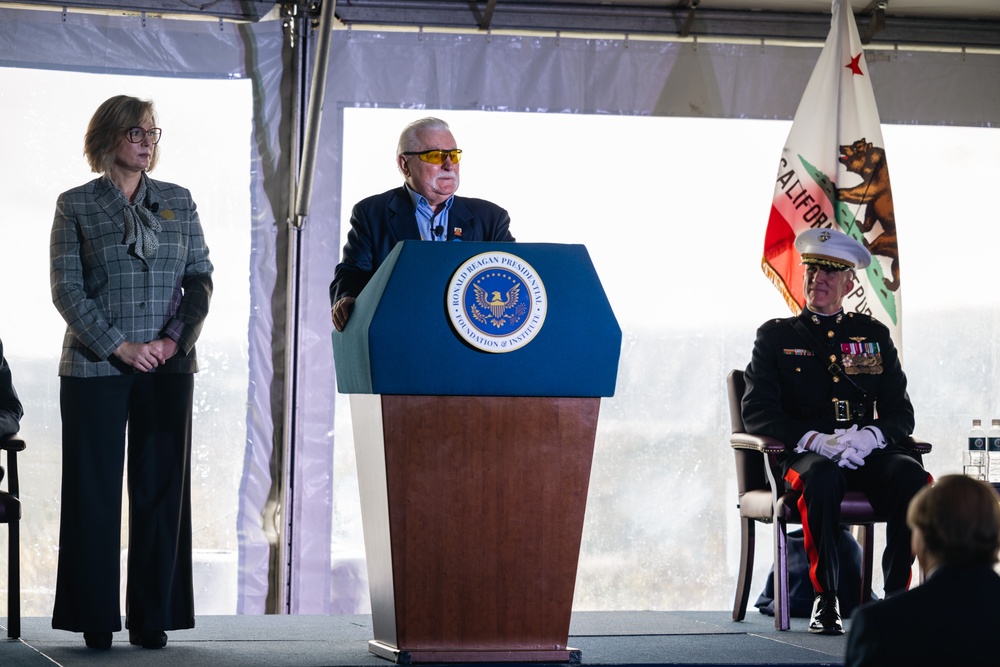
x=829, y=385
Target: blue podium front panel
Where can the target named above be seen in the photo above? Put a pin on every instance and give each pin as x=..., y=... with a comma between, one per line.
x=481, y=319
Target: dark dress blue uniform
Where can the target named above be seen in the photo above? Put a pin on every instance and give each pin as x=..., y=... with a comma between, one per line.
x=947, y=620
x=791, y=391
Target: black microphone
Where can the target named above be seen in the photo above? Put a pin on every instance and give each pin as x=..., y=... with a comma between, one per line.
x=153, y=206
x=439, y=230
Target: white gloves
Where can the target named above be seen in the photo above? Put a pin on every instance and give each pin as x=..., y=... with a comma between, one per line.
x=848, y=447
x=864, y=441
x=821, y=443
x=851, y=458
x=834, y=447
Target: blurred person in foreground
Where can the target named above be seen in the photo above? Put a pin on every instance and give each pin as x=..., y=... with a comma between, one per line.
x=950, y=618
x=131, y=276
x=424, y=207
x=829, y=385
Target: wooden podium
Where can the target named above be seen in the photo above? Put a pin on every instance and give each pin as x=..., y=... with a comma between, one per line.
x=474, y=466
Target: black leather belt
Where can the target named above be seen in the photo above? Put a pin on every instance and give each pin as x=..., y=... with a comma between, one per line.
x=842, y=411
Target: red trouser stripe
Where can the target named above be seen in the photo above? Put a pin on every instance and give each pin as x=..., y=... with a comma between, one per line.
x=795, y=481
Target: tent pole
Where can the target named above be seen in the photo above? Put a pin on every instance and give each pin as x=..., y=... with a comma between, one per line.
x=314, y=114
x=304, y=146
x=280, y=512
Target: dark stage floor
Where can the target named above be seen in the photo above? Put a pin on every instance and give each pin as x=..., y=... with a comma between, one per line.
x=604, y=638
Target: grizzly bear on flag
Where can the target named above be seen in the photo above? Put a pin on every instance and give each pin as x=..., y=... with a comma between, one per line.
x=868, y=161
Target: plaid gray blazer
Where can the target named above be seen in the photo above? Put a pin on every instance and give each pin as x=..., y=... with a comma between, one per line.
x=108, y=295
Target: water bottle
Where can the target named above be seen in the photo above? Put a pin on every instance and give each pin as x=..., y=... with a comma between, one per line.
x=975, y=454
x=993, y=452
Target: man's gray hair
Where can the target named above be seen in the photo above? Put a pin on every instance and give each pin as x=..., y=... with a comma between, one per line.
x=408, y=137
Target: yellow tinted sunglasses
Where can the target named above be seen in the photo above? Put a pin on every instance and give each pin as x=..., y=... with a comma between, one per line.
x=437, y=156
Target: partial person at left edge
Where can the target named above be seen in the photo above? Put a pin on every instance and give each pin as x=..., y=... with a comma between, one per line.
x=131, y=276
x=425, y=208
x=11, y=410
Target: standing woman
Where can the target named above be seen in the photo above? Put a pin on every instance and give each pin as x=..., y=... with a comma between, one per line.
x=131, y=276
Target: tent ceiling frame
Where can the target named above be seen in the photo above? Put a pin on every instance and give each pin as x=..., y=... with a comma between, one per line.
x=235, y=10
x=686, y=20
x=683, y=18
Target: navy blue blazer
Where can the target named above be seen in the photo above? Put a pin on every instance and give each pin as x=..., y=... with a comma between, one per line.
x=948, y=620
x=380, y=221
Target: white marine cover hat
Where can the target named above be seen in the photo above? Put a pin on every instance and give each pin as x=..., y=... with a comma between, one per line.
x=832, y=248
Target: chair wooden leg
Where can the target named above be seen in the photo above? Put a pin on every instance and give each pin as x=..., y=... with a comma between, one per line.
x=782, y=606
x=748, y=532
x=14, y=579
x=867, y=542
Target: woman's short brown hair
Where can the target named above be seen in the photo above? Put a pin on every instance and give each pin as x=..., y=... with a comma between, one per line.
x=959, y=518
x=107, y=128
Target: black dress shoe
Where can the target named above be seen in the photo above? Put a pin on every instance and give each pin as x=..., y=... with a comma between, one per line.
x=100, y=640
x=825, y=618
x=147, y=639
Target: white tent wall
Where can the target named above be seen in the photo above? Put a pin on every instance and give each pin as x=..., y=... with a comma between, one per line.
x=497, y=72
x=488, y=72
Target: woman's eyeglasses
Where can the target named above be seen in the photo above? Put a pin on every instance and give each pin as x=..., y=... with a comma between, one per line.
x=136, y=134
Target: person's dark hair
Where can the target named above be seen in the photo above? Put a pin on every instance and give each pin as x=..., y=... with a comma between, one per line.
x=959, y=518
x=107, y=128
x=408, y=137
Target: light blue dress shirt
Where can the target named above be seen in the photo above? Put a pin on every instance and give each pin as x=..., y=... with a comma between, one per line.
x=426, y=221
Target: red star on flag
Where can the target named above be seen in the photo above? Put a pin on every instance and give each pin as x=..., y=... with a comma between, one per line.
x=854, y=66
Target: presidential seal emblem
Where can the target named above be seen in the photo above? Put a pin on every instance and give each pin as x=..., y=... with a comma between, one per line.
x=496, y=302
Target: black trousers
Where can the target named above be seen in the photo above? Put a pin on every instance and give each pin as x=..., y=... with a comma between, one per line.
x=151, y=413
x=890, y=478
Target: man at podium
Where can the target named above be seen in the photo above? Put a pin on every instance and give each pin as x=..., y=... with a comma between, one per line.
x=425, y=208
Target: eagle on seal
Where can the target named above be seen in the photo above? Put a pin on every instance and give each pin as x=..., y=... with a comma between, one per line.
x=496, y=304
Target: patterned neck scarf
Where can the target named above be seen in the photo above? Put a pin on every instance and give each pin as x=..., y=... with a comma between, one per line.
x=141, y=227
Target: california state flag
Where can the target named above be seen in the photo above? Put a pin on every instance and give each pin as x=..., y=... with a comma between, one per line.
x=833, y=173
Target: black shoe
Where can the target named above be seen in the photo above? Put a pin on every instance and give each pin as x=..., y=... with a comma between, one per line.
x=826, y=615
x=147, y=639
x=99, y=640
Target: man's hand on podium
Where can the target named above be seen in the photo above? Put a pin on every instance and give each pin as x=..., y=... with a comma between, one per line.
x=341, y=312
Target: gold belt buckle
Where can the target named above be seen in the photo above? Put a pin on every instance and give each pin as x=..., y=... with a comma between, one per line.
x=841, y=410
